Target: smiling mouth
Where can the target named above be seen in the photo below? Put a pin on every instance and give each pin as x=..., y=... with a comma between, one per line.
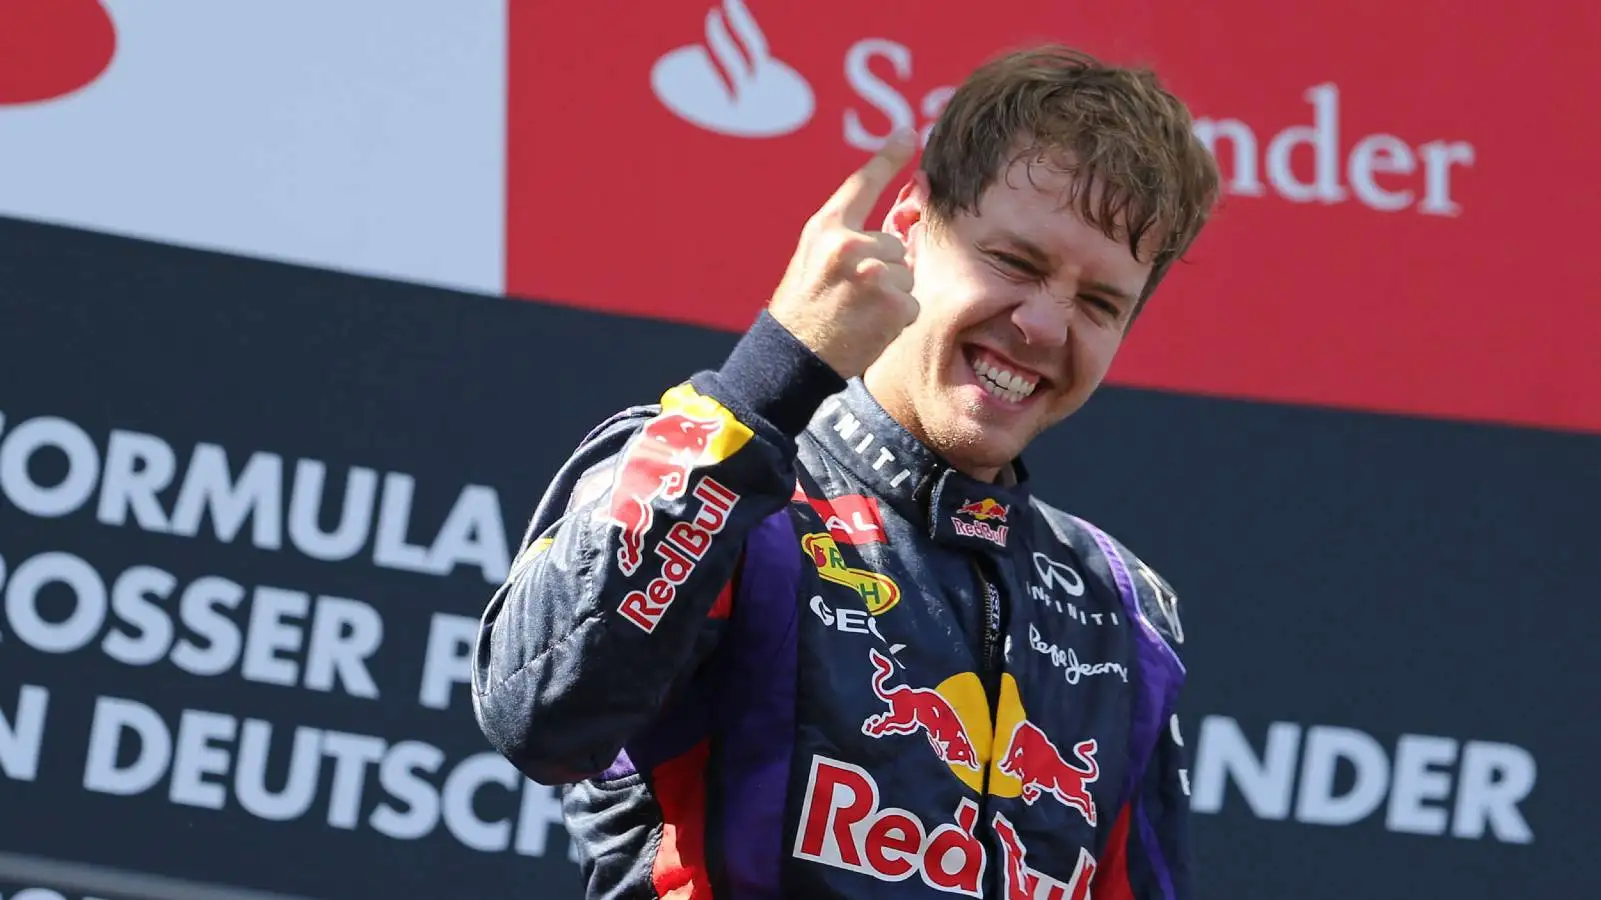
x=999, y=380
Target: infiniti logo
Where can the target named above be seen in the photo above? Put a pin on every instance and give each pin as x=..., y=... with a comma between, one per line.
x=1059, y=574
x=732, y=85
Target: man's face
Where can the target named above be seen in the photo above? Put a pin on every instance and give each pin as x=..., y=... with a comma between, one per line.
x=1023, y=307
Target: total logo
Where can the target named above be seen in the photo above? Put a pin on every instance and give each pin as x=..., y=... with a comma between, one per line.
x=953, y=717
x=852, y=518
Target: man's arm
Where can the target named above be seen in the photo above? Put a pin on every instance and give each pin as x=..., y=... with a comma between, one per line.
x=606, y=608
x=1147, y=856
x=631, y=553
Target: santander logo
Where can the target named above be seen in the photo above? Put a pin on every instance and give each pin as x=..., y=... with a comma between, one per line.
x=732, y=84
x=50, y=48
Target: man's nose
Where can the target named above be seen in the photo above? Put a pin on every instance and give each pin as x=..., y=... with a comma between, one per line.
x=1045, y=320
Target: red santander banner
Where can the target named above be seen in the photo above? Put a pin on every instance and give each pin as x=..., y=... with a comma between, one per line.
x=1410, y=187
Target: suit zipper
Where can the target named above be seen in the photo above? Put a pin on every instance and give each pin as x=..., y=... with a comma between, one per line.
x=993, y=664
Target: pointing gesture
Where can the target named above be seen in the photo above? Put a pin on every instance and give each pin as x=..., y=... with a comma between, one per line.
x=847, y=291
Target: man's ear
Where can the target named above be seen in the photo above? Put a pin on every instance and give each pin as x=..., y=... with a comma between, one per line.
x=905, y=216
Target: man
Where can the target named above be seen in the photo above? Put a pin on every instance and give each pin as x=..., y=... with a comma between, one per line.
x=801, y=630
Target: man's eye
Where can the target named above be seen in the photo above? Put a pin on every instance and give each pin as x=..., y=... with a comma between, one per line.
x=1103, y=305
x=1015, y=263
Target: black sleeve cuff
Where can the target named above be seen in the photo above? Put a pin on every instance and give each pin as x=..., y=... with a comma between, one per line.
x=772, y=375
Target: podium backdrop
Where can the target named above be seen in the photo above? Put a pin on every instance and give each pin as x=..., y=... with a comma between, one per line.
x=299, y=310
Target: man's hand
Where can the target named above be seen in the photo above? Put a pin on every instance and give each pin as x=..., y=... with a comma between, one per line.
x=848, y=292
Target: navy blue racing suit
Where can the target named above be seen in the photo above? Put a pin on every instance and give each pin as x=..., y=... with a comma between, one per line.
x=773, y=646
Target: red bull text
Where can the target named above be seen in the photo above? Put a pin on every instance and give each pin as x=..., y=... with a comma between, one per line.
x=850, y=518
x=976, y=518
x=842, y=825
x=680, y=549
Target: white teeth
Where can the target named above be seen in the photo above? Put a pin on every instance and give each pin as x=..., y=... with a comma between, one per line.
x=1003, y=383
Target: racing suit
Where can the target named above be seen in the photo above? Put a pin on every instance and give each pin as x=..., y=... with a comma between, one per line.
x=775, y=647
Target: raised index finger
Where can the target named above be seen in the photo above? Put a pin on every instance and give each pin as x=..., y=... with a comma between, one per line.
x=855, y=198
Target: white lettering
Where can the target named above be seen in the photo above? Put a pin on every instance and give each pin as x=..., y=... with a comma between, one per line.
x=196, y=755
x=22, y=734
x=17, y=455
x=1325, y=747
x=215, y=758
x=273, y=628
x=1438, y=158
x=22, y=602
x=473, y=534
x=113, y=719
x=461, y=789
x=1416, y=782
x=1323, y=137
x=355, y=514
x=401, y=775
x=879, y=71
x=1491, y=779
x=1243, y=179
x=1223, y=754
x=447, y=661
x=394, y=519
x=1495, y=778
x=300, y=785
x=352, y=754
x=270, y=646
x=257, y=495
x=344, y=634
x=138, y=468
x=1067, y=660
x=1380, y=153
x=879, y=94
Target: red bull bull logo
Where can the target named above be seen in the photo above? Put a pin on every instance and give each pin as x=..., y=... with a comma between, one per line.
x=1040, y=769
x=917, y=709
x=692, y=430
x=988, y=509
x=655, y=468
x=981, y=519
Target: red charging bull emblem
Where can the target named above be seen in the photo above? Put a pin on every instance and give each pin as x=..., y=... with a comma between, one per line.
x=914, y=709
x=692, y=431
x=656, y=467
x=1039, y=768
x=982, y=519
